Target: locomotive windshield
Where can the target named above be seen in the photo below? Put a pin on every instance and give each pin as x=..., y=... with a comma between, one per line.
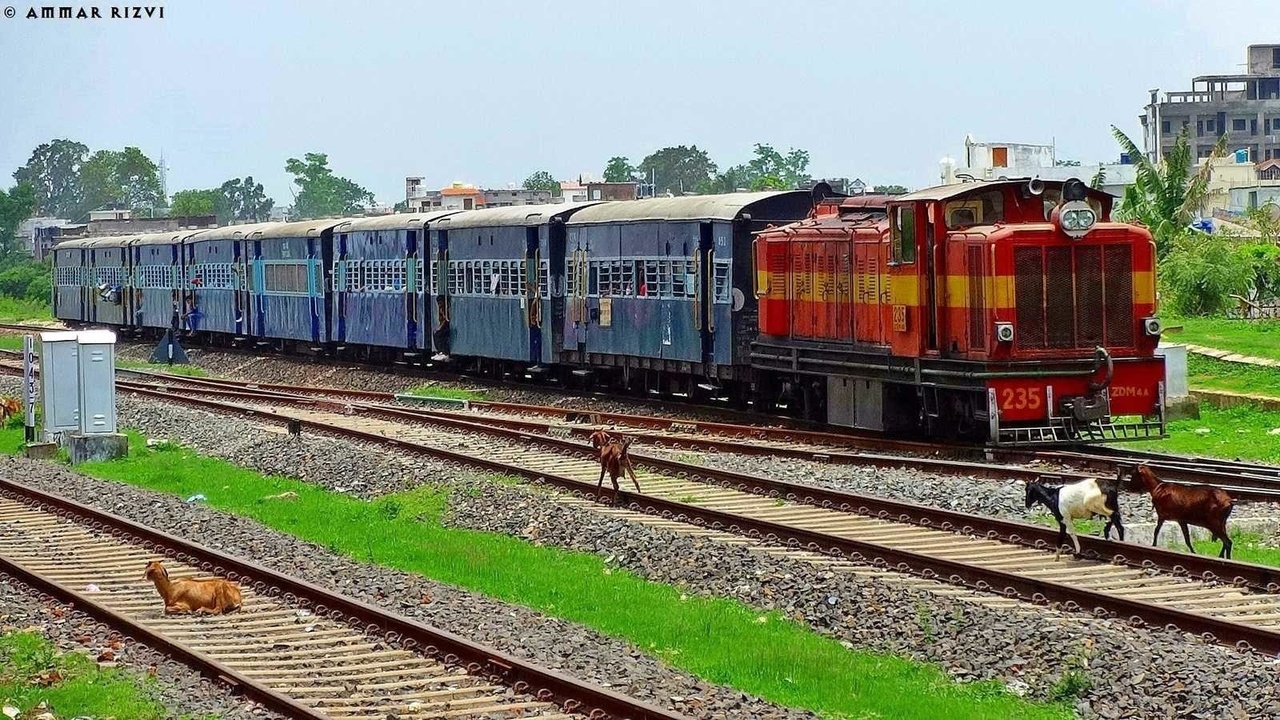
x=984, y=209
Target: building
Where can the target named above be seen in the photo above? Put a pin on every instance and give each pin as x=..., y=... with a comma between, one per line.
x=572, y=191
x=102, y=214
x=995, y=160
x=462, y=196
x=516, y=196
x=1244, y=107
x=139, y=226
x=611, y=191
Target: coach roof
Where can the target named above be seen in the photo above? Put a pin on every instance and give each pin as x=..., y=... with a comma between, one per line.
x=171, y=237
x=398, y=221
x=302, y=228
x=233, y=232
x=690, y=207
x=511, y=215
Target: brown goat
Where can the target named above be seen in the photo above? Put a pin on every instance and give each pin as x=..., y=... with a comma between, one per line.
x=1205, y=507
x=613, y=458
x=9, y=407
x=207, y=595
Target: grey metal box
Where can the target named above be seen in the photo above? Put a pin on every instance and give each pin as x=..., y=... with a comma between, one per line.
x=59, y=382
x=97, y=361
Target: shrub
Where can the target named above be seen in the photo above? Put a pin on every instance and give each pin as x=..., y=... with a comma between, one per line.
x=1201, y=272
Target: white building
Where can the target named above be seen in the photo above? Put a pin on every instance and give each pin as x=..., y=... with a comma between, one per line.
x=995, y=160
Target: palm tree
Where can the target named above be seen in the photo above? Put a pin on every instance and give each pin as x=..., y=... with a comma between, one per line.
x=1168, y=195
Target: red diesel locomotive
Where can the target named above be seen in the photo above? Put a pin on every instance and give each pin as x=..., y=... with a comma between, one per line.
x=1014, y=311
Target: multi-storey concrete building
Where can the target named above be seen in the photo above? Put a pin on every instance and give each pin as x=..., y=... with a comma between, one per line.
x=1244, y=107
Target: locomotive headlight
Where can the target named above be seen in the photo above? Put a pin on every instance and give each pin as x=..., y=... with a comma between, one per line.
x=1152, y=326
x=1004, y=332
x=1076, y=218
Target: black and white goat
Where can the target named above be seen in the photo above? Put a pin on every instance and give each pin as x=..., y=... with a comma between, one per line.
x=1082, y=499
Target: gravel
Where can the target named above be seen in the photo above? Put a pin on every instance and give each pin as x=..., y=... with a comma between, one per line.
x=1029, y=649
x=178, y=688
x=978, y=496
x=238, y=365
x=554, y=643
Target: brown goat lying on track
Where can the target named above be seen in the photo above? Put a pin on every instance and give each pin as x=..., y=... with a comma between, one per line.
x=613, y=458
x=211, y=595
x=1205, y=507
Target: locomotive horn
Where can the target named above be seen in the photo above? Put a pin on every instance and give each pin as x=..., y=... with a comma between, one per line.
x=1035, y=186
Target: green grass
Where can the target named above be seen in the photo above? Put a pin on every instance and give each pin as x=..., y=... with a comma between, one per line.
x=447, y=393
x=70, y=685
x=184, y=370
x=1246, y=546
x=1241, y=432
x=719, y=640
x=1206, y=373
x=12, y=342
x=1084, y=526
x=17, y=310
x=1257, y=338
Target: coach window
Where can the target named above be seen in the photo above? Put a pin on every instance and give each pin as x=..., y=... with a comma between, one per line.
x=904, y=234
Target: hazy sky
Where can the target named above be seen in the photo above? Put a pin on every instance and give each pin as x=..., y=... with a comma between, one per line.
x=487, y=92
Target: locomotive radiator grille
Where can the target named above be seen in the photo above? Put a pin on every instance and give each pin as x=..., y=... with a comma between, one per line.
x=1073, y=297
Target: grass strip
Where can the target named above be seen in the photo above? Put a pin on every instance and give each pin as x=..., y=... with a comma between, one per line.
x=1244, y=432
x=35, y=678
x=184, y=370
x=1206, y=373
x=722, y=641
x=1246, y=546
x=1255, y=338
x=447, y=393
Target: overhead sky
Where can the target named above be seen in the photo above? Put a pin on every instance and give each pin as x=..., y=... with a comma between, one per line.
x=488, y=92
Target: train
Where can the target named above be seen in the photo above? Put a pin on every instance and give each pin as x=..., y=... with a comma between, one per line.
x=1013, y=311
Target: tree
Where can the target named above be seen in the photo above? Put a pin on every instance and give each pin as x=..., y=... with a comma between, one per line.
x=619, y=169
x=679, y=169
x=245, y=201
x=53, y=171
x=1168, y=195
x=542, y=180
x=16, y=205
x=126, y=177
x=889, y=190
x=768, y=170
x=189, y=203
x=772, y=169
x=320, y=192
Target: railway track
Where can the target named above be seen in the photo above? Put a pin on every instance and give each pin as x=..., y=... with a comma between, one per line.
x=788, y=438
x=296, y=648
x=1255, y=483
x=1235, y=603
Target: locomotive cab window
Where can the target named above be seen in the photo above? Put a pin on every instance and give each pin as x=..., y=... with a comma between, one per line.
x=904, y=234
x=985, y=209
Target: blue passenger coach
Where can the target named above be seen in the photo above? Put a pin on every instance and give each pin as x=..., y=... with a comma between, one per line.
x=71, y=280
x=108, y=298
x=156, y=277
x=495, y=281
x=663, y=286
x=288, y=266
x=381, y=278
x=217, y=278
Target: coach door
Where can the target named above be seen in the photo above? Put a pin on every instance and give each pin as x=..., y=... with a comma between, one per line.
x=532, y=299
x=704, y=292
x=440, y=333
